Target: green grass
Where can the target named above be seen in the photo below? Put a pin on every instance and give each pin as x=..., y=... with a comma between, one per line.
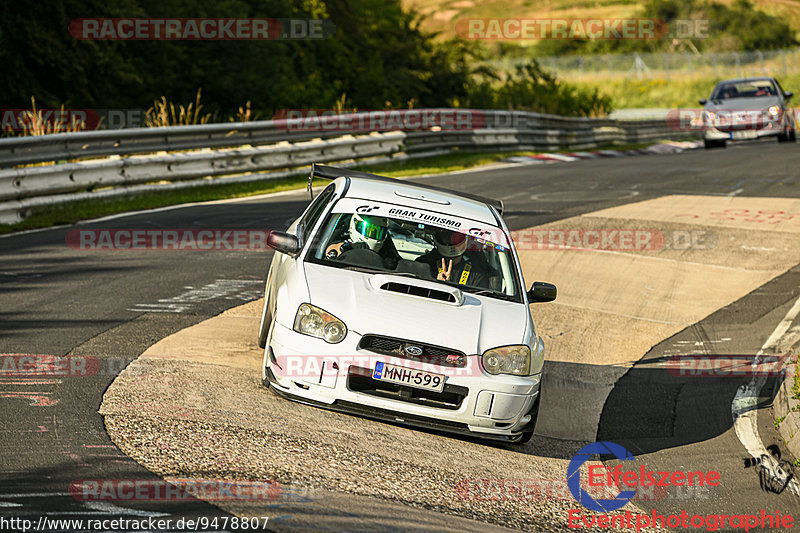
x=437, y=164
x=796, y=381
x=683, y=92
x=441, y=15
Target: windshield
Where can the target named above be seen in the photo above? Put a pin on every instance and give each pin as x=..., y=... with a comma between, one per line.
x=360, y=241
x=744, y=89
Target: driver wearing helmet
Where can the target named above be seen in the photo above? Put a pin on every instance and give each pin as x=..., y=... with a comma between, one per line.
x=365, y=234
x=450, y=261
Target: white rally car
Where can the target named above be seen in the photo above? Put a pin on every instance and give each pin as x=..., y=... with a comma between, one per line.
x=405, y=303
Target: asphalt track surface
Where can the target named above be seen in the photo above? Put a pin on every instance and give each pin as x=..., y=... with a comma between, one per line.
x=110, y=306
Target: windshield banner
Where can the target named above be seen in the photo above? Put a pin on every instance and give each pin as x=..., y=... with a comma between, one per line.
x=477, y=230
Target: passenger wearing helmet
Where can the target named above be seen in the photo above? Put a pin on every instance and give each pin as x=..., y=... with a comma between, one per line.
x=449, y=260
x=366, y=241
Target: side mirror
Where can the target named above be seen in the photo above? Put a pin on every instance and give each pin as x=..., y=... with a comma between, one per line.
x=283, y=242
x=788, y=94
x=542, y=292
x=703, y=101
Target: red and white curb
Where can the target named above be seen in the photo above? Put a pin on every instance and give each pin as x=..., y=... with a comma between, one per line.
x=673, y=147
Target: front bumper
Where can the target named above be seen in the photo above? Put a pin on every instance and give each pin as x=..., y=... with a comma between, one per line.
x=710, y=133
x=472, y=403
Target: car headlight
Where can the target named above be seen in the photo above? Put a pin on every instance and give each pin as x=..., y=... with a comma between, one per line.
x=773, y=110
x=514, y=359
x=313, y=321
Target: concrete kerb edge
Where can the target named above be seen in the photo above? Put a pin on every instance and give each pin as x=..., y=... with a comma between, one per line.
x=787, y=409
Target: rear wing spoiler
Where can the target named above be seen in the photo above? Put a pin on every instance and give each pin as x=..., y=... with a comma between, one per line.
x=331, y=173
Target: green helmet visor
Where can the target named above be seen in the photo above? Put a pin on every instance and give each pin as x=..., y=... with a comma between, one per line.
x=370, y=230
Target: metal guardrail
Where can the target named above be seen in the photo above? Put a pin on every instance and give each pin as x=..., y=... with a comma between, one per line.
x=186, y=156
x=123, y=142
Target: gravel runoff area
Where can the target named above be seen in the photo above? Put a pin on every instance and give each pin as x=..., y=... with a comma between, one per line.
x=193, y=406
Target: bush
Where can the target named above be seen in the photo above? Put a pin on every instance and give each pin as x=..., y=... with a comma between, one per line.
x=738, y=27
x=531, y=88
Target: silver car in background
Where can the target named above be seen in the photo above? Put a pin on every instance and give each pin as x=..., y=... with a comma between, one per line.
x=747, y=108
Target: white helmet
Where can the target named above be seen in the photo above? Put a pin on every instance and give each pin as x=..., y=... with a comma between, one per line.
x=370, y=230
x=451, y=244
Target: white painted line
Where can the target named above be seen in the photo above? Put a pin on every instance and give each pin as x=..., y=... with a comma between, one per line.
x=110, y=508
x=559, y=157
x=230, y=289
x=744, y=405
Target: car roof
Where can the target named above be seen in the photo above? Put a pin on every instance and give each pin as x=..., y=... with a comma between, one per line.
x=741, y=80
x=416, y=195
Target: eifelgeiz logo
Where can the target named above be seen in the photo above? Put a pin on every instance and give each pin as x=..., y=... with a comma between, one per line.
x=600, y=476
x=626, y=482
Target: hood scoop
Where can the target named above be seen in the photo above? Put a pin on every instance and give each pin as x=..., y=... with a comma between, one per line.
x=418, y=288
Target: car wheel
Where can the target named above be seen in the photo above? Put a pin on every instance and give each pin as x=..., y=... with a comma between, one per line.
x=792, y=136
x=783, y=137
x=713, y=144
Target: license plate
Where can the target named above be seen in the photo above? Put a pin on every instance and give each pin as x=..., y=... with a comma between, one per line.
x=408, y=376
x=744, y=134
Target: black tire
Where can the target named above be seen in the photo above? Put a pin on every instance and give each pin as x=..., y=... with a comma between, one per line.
x=266, y=323
x=266, y=315
x=713, y=144
x=530, y=427
x=783, y=137
x=267, y=373
x=792, y=136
